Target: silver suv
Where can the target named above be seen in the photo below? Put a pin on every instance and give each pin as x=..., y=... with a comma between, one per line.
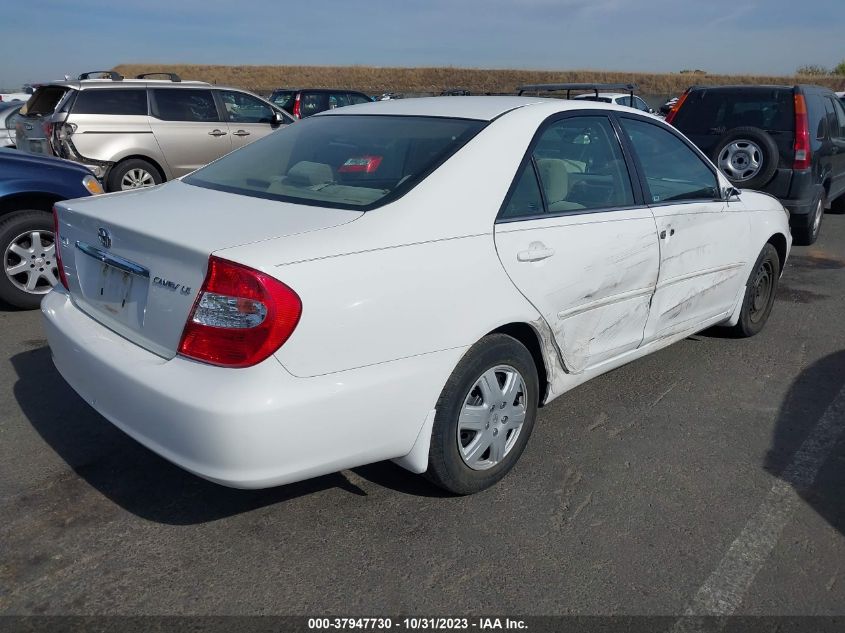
x=139, y=132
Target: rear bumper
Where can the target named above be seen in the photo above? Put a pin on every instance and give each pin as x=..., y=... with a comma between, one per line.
x=245, y=428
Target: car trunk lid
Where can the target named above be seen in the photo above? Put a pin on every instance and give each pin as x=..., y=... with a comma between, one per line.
x=31, y=130
x=136, y=261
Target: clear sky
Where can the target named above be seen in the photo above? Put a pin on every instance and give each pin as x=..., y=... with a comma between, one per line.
x=45, y=39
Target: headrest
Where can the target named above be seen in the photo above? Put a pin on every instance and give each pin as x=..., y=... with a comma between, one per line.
x=306, y=173
x=555, y=178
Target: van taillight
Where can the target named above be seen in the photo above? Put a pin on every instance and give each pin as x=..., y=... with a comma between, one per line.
x=297, y=107
x=48, y=129
x=240, y=316
x=58, y=247
x=803, y=153
x=674, y=111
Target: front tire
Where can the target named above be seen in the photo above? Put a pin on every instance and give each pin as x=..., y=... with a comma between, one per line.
x=27, y=243
x=485, y=415
x=760, y=293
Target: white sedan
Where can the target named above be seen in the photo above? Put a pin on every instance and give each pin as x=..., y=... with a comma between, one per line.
x=403, y=280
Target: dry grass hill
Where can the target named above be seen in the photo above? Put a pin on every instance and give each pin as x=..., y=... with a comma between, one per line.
x=376, y=80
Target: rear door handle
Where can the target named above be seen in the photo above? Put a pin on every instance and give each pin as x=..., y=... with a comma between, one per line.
x=218, y=133
x=535, y=254
x=241, y=133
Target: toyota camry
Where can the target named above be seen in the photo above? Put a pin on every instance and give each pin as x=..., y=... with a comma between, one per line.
x=405, y=280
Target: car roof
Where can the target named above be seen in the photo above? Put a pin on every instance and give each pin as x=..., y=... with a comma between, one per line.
x=132, y=83
x=481, y=108
x=357, y=92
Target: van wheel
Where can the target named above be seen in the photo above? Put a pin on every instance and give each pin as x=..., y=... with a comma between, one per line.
x=133, y=174
x=484, y=417
x=748, y=156
x=760, y=293
x=28, y=245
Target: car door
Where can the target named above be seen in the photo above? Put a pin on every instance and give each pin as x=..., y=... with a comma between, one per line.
x=249, y=118
x=836, y=139
x=188, y=127
x=703, y=239
x=576, y=239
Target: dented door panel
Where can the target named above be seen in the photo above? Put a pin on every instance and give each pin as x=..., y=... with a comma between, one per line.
x=703, y=257
x=594, y=290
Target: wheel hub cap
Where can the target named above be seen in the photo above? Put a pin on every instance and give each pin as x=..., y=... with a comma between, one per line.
x=29, y=262
x=741, y=160
x=491, y=417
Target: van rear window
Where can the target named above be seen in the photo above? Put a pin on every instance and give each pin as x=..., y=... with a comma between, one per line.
x=347, y=161
x=712, y=110
x=111, y=101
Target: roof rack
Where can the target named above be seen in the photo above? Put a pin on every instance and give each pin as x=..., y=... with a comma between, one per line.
x=538, y=88
x=172, y=76
x=114, y=76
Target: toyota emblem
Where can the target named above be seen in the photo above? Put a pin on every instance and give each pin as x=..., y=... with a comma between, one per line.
x=104, y=236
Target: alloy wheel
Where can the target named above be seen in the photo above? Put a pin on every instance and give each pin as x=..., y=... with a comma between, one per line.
x=30, y=262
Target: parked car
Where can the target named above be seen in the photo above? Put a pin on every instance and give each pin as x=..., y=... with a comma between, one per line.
x=401, y=280
x=140, y=132
x=788, y=141
x=631, y=101
x=9, y=112
x=455, y=92
x=301, y=103
x=29, y=186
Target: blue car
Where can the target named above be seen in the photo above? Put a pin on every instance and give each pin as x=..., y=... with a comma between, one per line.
x=29, y=186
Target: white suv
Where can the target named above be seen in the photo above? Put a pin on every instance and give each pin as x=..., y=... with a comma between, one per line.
x=139, y=132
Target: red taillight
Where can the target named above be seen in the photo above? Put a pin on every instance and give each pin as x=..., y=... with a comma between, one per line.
x=360, y=164
x=48, y=129
x=240, y=317
x=674, y=111
x=803, y=154
x=58, y=247
x=296, y=107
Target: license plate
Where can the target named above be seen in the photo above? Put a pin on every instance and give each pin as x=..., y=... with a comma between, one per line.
x=115, y=289
x=36, y=147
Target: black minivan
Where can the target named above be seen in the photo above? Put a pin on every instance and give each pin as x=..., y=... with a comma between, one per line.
x=787, y=141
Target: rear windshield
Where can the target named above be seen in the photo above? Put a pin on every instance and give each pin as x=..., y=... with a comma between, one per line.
x=283, y=98
x=45, y=99
x=348, y=162
x=712, y=111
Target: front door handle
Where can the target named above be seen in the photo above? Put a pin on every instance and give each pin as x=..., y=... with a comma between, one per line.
x=663, y=233
x=241, y=133
x=218, y=133
x=535, y=254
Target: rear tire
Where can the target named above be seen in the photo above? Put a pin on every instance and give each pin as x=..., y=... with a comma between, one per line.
x=485, y=415
x=760, y=293
x=27, y=245
x=808, y=232
x=134, y=173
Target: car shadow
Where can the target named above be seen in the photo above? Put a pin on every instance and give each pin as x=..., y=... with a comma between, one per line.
x=806, y=402
x=129, y=474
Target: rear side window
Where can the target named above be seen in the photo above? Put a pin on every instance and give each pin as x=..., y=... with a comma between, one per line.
x=347, y=162
x=356, y=99
x=716, y=111
x=184, y=104
x=674, y=172
x=111, y=101
x=313, y=102
x=45, y=99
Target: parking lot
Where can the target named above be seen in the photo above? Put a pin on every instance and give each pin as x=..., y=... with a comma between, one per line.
x=664, y=486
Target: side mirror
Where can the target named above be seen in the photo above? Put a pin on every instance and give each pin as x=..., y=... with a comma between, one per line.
x=279, y=119
x=731, y=193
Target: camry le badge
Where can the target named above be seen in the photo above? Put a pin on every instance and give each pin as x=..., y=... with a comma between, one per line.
x=104, y=236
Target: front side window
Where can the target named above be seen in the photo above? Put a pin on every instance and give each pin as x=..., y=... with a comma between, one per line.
x=111, y=101
x=184, y=104
x=348, y=162
x=355, y=99
x=244, y=108
x=581, y=166
x=673, y=171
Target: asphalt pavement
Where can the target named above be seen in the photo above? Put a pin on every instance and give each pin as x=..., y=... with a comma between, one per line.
x=705, y=478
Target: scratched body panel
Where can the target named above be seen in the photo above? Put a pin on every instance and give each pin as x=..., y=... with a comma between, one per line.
x=595, y=291
x=703, y=259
